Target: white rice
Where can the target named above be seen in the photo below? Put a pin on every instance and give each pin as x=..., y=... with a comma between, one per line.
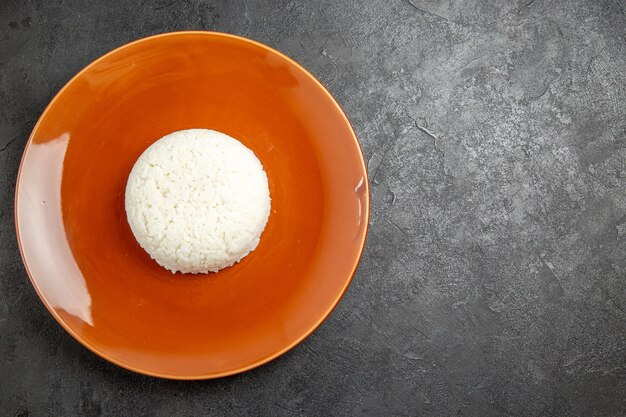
x=197, y=201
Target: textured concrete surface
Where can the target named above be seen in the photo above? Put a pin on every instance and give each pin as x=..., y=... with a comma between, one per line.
x=494, y=278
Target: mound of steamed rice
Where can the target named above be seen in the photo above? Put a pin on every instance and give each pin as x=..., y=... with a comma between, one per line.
x=197, y=201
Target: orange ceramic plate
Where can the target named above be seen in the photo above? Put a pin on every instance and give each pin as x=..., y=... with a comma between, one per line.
x=83, y=259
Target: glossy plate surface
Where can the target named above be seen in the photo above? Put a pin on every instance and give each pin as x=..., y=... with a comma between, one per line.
x=83, y=259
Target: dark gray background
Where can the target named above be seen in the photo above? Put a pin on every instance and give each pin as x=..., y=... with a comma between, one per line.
x=494, y=278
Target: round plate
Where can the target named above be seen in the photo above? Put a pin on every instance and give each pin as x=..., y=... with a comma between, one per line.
x=81, y=255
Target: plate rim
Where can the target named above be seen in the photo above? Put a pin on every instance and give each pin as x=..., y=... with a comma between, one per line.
x=242, y=368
